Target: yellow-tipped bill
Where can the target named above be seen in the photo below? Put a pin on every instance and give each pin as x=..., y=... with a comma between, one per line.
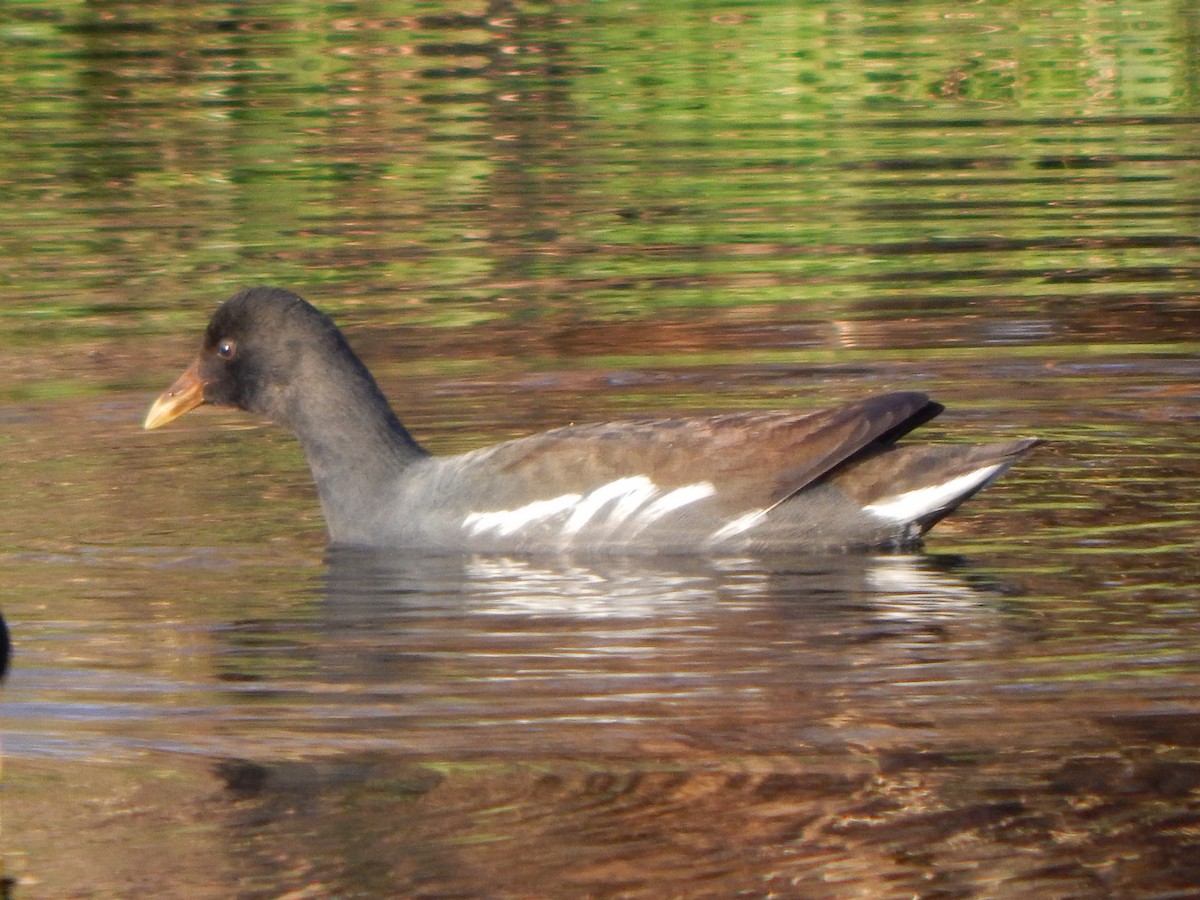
x=186, y=393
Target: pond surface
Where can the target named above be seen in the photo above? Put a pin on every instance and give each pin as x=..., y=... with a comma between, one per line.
x=530, y=214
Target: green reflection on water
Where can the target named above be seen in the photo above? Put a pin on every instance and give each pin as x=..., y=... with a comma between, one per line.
x=158, y=156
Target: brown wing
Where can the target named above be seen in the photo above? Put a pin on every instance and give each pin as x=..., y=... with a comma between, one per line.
x=754, y=460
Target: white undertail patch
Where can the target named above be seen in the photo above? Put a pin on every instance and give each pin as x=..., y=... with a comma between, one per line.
x=913, y=505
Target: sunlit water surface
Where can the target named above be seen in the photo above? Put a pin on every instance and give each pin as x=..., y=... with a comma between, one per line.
x=575, y=213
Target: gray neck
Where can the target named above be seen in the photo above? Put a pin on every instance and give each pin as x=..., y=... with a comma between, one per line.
x=356, y=449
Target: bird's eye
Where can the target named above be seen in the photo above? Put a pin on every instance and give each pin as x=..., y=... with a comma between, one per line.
x=227, y=349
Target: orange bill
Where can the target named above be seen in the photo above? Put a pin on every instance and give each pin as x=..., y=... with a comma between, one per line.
x=186, y=393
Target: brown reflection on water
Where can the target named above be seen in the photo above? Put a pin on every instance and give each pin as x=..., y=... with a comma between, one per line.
x=1017, y=723
x=891, y=725
x=515, y=727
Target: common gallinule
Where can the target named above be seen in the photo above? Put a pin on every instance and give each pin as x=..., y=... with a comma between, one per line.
x=744, y=482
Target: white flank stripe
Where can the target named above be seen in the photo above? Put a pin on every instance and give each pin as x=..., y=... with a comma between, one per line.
x=671, y=501
x=505, y=521
x=738, y=525
x=628, y=496
x=912, y=505
x=639, y=495
x=639, y=488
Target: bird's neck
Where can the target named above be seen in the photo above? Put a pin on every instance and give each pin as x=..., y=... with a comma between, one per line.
x=356, y=449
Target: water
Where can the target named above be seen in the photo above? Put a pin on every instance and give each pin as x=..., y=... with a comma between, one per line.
x=532, y=215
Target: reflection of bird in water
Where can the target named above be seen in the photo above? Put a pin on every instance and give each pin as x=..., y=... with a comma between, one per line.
x=911, y=586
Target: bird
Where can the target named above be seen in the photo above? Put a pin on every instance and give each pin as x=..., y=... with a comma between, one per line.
x=739, y=483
